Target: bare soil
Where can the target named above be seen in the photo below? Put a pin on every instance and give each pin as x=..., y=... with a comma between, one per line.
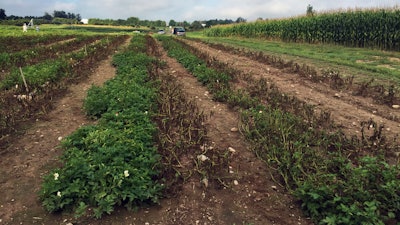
x=254, y=199
x=346, y=109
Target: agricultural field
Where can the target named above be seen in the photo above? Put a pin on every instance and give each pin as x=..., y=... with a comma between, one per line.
x=103, y=126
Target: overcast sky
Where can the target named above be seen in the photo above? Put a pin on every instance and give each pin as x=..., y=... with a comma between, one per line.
x=184, y=10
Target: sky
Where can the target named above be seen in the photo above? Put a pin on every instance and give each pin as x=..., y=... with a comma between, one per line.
x=185, y=10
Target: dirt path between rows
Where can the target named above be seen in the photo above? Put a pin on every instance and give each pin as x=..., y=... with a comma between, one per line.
x=33, y=153
x=254, y=199
x=347, y=110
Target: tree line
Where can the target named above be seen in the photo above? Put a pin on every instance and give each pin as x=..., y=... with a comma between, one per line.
x=131, y=21
x=62, y=17
x=58, y=17
x=136, y=22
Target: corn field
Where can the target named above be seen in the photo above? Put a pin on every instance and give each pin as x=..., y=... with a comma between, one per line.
x=378, y=28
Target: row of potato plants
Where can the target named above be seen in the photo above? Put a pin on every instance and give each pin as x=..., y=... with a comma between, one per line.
x=114, y=162
x=16, y=43
x=29, y=90
x=377, y=28
x=37, y=53
x=188, y=155
x=53, y=69
x=145, y=145
x=381, y=94
x=337, y=179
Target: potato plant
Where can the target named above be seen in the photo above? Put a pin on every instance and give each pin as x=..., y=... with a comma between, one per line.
x=46, y=79
x=114, y=162
x=387, y=94
x=319, y=166
x=126, y=158
x=12, y=43
x=187, y=153
x=35, y=54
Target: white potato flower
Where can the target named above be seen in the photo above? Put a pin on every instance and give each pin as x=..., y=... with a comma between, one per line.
x=126, y=173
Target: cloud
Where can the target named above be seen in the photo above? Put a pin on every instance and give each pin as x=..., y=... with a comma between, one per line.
x=144, y=9
x=188, y=10
x=62, y=6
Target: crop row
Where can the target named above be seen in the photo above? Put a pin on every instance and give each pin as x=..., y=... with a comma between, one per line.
x=115, y=161
x=381, y=94
x=368, y=28
x=37, y=53
x=29, y=90
x=145, y=127
x=183, y=142
x=327, y=171
x=10, y=44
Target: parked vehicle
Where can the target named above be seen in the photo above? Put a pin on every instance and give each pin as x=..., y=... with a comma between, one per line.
x=180, y=31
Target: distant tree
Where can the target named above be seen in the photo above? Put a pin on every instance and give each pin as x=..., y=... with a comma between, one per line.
x=71, y=16
x=60, y=14
x=160, y=23
x=210, y=23
x=186, y=24
x=13, y=17
x=240, y=20
x=58, y=20
x=310, y=11
x=3, y=14
x=132, y=21
x=259, y=19
x=196, y=25
x=181, y=24
x=145, y=23
x=120, y=22
x=47, y=16
x=172, y=23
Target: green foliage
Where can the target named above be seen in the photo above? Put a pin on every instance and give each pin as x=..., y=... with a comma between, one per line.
x=284, y=142
x=94, y=102
x=305, y=155
x=38, y=50
x=53, y=70
x=114, y=162
x=49, y=63
x=369, y=28
x=37, y=75
x=8, y=42
x=365, y=194
x=215, y=80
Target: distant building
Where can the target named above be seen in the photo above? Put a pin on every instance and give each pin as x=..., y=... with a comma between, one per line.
x=85, y=21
